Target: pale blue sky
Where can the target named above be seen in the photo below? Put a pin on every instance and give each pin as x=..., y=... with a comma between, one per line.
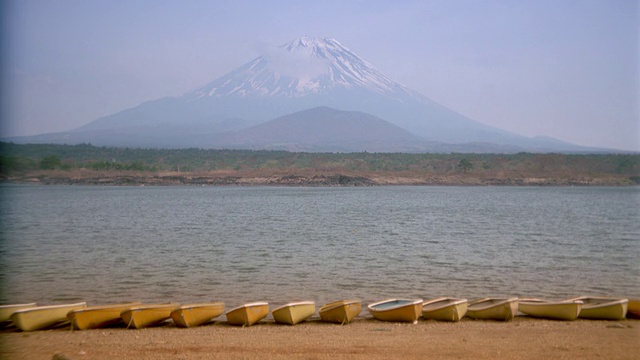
x=566, y=69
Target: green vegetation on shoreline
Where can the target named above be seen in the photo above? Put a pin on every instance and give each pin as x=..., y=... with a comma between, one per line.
x=87, y=164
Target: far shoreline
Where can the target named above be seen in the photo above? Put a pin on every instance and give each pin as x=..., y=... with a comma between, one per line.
x=89, y=165
x=295, y=178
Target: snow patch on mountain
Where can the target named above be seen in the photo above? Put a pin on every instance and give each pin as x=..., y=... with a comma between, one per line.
x=305, y=66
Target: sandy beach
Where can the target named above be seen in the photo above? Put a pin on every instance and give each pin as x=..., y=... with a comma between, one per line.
x=365, y=338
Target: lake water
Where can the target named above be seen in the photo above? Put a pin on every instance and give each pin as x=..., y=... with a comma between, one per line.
x=276, y=244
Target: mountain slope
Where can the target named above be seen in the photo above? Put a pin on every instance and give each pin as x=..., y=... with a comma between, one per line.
x=310, y=72
x=303, y=74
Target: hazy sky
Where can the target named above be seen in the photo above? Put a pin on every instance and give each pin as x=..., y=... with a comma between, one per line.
x=566, y=69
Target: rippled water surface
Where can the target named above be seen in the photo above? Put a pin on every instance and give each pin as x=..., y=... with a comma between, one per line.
x=236, y=244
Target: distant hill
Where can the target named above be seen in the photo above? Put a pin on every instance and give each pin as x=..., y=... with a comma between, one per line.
x=326, y=130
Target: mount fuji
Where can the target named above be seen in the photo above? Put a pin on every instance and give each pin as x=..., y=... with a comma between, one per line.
x=303, y=74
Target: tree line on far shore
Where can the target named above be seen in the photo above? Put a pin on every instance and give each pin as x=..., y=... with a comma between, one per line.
x=18, y=159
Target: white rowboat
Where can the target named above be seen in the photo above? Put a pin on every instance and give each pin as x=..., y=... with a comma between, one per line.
x=445, y=309
x=600, y=308
x=295, y=312
x=493, y=309
x=400, y=310
x=41, y=317
x=558, y=310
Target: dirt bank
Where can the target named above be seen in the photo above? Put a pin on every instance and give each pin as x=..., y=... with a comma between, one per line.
x=302, y=178
x=523, y=338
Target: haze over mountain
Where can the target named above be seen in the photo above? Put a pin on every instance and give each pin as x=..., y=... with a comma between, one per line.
x=303, y=74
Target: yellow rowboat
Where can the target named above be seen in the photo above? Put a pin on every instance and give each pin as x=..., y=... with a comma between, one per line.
x=493, y=309
x=445, y=309
x=248, y=314
x=93, y=317
x=147, y=315
x=401, y=310
x=41, y=317
x=340, y=312
x=196, y=314
x=559, y=310
x=633, y=309
x=295, y=312
x=7, y=310
x=597, y=308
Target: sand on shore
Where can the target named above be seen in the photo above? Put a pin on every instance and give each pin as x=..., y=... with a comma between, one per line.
x=522, y=338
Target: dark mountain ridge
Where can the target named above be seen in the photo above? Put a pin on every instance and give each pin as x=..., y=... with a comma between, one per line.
x=325, y=129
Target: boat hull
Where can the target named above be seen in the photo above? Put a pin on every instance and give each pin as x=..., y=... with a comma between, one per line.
x=294, y=313
x=42, y=317
x=595, y=308
x=397, y=310
x=340, y=312
x=248, y=314
x=196, y=314
x=445, y=309
x=94, y=317
x=633, y=309
x=493, y=309
x=139, y=317
x=7, y=310
x=561, y=310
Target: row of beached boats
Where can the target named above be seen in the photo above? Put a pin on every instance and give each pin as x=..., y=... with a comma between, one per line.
x=29, y=317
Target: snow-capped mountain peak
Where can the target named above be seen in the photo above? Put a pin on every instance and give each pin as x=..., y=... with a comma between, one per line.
x=321, y=48
x=304, y=66
x=306, y=73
